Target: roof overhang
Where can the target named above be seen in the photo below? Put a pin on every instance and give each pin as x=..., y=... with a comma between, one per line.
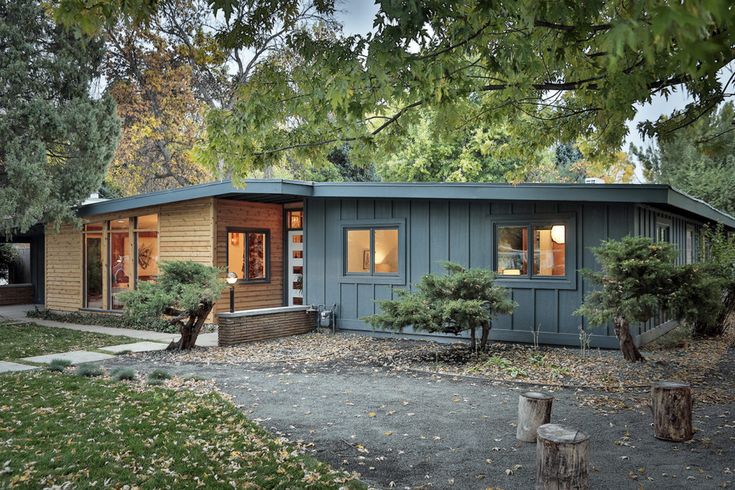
x=271, y=190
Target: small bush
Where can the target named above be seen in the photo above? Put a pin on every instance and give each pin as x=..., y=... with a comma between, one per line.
x=122, y=374
x=58, y=365
x=159, y=375
x=89, y=370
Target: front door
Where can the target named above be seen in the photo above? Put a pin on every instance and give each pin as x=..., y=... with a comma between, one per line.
x=295, y=267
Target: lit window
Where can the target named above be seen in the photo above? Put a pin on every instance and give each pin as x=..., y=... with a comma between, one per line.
x=247, y=254
x=512, y=250
x=549, y=250
x=372, y=251
x=543, y=256
x=295, y=219
x=146, y=242
x=663, y=232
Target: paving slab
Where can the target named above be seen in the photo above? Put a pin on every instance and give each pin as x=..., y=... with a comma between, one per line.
x=11, y=367
x=75, y=357
x=134, y=347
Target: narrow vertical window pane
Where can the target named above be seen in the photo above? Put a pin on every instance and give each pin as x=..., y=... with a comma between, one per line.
x=236, y=254
x=512, y=252
x=295, y=220
x=386, y=250
x=121, y=268
x=93, y=270
x=256, y=256
x=146, y=254
x=358, y=251
x=549, y=250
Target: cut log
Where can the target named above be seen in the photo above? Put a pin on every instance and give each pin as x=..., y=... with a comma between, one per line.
x=562, y=456
x=534, y=410
x=671, y=403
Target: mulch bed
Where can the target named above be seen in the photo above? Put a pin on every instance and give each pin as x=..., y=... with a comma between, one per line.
x=692, y=361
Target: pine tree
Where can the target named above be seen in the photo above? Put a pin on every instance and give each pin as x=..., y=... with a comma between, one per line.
x=56, y=136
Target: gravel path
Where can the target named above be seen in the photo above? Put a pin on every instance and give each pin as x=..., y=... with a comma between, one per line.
x=404, y=429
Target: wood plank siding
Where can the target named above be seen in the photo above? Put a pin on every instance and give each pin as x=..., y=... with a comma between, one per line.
x=256, y=216
x=64, y=268
x=186, y=232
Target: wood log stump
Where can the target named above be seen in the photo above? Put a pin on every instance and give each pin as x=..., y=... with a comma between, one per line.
x=534, y=410
x=562, y=456
x=671, y=404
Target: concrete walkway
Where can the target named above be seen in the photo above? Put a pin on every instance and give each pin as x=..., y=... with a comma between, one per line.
x=17, y=313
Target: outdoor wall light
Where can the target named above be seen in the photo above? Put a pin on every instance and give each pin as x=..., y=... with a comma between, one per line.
x=232, y=280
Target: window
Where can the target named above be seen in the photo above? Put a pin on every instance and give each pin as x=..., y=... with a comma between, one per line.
x=663, y=232
x=295, y=219
x=93, y=292
x=691, y=255
x=120, y=265
x=146, y=243
x=547, y=251
x=371, y=250
x=247, y=254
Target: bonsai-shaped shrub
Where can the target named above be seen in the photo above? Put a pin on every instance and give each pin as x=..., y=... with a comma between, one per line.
x=637, y=279
x=463, y=299
x=706, y=299
x=184, y=294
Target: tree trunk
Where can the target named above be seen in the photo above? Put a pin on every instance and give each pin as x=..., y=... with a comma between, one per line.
x=191, y=329
x=485, y=335
x=534, y=410
x=671, y=403
x=561, y=458
x=473, y=340
x=627, y=346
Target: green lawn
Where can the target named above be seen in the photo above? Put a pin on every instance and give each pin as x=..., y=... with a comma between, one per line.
x=34, y=340
x=59, y=428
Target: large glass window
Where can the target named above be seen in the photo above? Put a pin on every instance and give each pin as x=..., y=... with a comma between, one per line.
x=371, y=250
x=93, y=290
x=546, y=252
x=121, y=267
x=146, y=243
x=247, y=254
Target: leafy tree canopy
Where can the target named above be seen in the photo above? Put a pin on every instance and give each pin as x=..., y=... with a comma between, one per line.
x=555, y=70
x=699, y=159
x=56, y=138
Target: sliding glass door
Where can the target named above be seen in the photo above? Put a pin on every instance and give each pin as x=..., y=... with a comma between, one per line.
x=93, y=290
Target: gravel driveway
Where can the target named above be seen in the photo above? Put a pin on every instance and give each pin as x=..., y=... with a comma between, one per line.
x=402, y=429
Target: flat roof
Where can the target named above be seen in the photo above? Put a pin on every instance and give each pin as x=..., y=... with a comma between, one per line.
x=278, y=190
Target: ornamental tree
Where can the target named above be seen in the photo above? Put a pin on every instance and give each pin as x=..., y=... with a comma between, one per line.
x=461, y=300
x=637, y=279
x=184, y=295
x=56, y=136
x=556, y=70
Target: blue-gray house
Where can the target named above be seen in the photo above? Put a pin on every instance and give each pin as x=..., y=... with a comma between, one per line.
x=295, y=243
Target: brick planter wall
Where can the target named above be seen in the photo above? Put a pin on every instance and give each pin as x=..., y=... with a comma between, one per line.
x=265, y=323
x=16, y=294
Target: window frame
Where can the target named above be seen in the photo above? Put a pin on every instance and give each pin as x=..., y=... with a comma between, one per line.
x=663, y=223
x=372, y=277
x=137, y=230
x=245, y=231
x=85, y=252
x=531, y=280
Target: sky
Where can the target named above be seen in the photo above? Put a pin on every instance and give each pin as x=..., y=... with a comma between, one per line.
x=357, y=18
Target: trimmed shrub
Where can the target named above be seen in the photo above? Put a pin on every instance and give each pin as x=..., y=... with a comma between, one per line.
x=159, y=375
x=58, y=365
x=89, y=370
x=122, y=374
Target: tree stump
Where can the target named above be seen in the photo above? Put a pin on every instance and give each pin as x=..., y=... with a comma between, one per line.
x=561, y=458
x=671, y=403
x=534, y=410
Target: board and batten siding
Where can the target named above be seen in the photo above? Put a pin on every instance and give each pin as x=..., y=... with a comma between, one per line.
x=186, y=232
x=256, y=216
x=460, y=231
